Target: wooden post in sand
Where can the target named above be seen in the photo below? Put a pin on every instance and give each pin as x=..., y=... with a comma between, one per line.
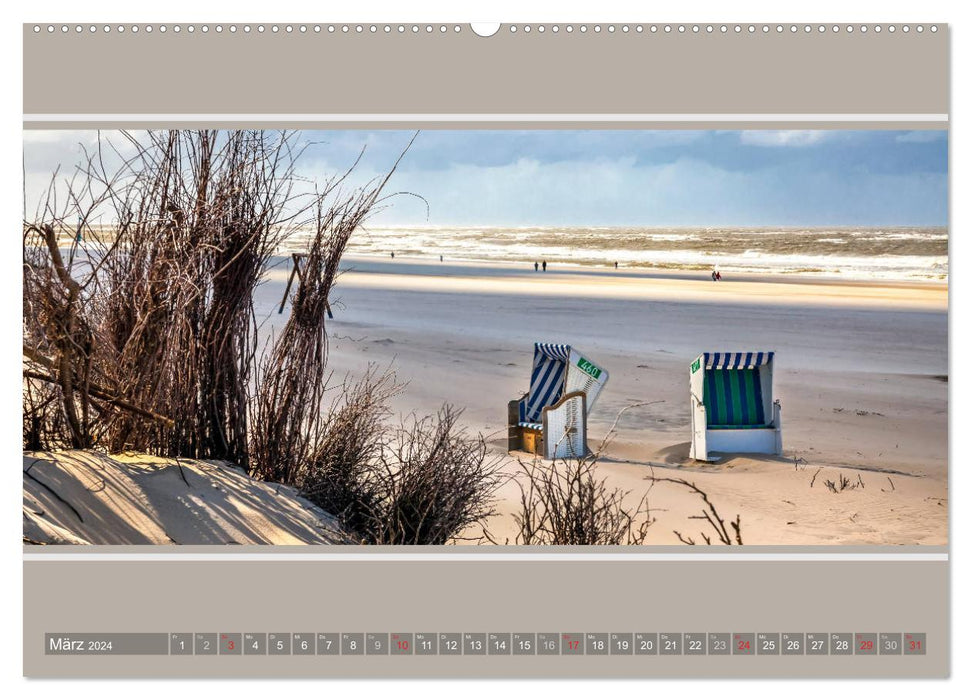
x=286, y=292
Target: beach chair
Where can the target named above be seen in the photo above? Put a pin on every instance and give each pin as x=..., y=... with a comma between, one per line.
x=551, y=419
x=732, y=409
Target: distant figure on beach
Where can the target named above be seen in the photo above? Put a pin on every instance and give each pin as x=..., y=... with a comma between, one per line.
x=392, y=255
x=441, y=258
x=544, y=266
x=718, y=276
x=714, y=275
x=615, y=264
x=535, y=267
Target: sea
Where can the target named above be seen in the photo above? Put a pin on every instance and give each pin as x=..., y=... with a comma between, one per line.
x=861, y=253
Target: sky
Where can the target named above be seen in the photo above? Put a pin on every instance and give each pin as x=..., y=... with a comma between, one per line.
x=617, y=177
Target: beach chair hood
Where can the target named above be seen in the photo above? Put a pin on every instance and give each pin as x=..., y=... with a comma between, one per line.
x=557, y=370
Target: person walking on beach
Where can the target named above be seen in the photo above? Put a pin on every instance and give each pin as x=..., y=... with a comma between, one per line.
x=615, y=264
x=535, y=267
x=441, y=258
x=392, y=255
x=544, y=266
x=714, y=275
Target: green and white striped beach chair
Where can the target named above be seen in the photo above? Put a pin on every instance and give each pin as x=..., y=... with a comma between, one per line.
x=551, y=419
x=732, y=409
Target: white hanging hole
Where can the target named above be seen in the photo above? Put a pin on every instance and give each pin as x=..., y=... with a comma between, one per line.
x=485, y=29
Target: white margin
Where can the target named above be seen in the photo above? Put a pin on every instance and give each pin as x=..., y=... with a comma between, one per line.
x=459, y=118
x=462, y=557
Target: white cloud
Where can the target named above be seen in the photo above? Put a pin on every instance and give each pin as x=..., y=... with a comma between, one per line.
x=791, y=138
x=923, y=136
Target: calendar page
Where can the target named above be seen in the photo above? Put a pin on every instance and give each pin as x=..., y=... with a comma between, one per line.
x=590, y=350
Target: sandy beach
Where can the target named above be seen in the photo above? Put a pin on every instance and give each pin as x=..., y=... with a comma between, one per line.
x=861, y=371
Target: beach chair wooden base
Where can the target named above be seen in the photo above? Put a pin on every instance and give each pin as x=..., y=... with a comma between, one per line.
x=564, y=423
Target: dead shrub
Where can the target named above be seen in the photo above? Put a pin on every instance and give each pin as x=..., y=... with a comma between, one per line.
x=422, y=482
x=568, y=503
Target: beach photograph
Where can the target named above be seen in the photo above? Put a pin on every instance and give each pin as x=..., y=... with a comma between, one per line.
x=485, y=337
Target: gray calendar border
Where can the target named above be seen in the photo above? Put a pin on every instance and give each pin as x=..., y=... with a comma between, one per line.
x=482, y=597
x=678, y=72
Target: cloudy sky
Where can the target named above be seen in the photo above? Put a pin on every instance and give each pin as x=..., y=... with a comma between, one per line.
x=646, y=178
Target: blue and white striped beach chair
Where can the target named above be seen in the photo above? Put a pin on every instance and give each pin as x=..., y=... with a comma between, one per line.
x=551, y=419
x=732, y=409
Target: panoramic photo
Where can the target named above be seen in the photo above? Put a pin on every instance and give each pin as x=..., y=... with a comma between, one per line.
x=471, y=337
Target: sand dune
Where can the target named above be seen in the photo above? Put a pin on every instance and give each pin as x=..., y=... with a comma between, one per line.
x=82, y=497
